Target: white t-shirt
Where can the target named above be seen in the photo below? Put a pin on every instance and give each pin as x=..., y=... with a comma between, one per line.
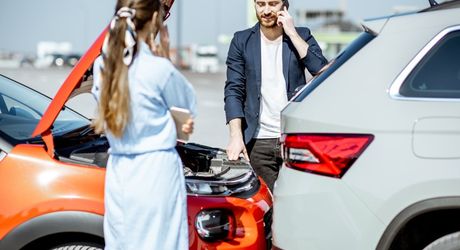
x=273, y=88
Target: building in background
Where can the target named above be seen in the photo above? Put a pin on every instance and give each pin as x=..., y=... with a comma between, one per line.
x=331, y=29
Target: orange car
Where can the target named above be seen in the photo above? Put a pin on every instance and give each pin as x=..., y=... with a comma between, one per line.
x=52, y=177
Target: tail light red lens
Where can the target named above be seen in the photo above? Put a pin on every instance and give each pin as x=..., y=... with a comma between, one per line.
x=325, y=154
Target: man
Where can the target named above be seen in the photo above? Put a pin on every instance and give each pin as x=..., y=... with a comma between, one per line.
x=265, y=65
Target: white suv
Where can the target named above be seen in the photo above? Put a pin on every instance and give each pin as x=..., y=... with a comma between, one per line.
x=371, y=146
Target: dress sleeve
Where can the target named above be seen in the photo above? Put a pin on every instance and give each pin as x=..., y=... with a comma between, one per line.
x=179, y=92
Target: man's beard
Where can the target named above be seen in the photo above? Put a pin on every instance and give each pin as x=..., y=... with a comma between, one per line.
x=271, y=24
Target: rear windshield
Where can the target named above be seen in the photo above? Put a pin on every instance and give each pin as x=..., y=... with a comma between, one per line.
x=334, y=64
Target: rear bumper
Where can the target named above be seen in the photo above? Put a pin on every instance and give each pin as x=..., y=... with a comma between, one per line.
x=318, y=212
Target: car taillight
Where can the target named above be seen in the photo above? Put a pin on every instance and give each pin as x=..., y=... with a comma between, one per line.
x=326, y=154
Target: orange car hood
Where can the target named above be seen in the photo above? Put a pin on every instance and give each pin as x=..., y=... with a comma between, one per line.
x=72, y=82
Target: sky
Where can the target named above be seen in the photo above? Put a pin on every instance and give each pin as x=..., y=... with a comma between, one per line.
x=23, y=23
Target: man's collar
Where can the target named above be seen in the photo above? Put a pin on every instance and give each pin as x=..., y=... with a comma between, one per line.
x=256, y=28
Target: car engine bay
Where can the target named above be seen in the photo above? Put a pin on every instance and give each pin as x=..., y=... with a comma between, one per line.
x=207, y=170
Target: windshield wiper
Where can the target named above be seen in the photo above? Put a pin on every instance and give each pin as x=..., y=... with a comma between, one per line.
x=86, y=130
x=80, y=131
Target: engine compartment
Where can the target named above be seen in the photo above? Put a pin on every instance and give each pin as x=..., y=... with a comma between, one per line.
x=207, y=170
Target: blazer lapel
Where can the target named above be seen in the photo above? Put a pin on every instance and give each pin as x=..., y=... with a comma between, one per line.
x=254, y=46
x=286, y=60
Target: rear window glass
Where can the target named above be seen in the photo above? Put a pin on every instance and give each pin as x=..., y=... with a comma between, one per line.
x=334, y=64
x=437, y=75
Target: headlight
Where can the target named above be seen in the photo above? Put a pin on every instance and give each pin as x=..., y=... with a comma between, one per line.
x=215, y=224
x=219, y=186
x=205, y=188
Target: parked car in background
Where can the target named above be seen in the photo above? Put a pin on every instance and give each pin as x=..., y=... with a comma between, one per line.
x=371, y=146
x=52, y=168
x=61, y=60
x=205, y=59
x=72, y=59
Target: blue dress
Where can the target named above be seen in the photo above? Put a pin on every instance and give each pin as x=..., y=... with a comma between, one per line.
x=145, y=195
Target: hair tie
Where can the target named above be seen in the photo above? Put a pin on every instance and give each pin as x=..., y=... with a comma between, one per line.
x=126, y=12
x=130, y=34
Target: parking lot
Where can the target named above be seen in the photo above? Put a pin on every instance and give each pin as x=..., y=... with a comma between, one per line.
x=210, y=128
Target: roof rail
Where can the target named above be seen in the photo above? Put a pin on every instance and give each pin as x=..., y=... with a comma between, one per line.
x=442, y=6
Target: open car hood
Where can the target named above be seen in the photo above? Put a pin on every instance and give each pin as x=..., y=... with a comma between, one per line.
x=74, y=84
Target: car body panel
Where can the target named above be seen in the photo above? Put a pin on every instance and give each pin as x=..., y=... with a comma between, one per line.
x=430, y=132
x=404, y=164
x=32, y=184
x=337, y=205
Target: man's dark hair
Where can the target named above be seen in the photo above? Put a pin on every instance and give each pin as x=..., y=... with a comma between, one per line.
x=286, y=3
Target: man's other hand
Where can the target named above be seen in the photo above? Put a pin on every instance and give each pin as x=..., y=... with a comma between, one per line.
x=235, y=148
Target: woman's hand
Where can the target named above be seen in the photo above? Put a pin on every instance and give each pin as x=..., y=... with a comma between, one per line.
x=188, y=126
x=160, y=49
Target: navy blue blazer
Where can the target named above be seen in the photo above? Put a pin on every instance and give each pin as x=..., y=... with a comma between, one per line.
x=242, y=88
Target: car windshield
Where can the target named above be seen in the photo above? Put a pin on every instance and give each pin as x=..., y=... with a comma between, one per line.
x=334, y=64
x=21, y=108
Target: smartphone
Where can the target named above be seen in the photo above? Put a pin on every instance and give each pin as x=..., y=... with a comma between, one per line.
x=286, y=3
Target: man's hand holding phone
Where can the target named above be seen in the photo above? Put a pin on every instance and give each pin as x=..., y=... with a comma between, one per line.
x=286, y=21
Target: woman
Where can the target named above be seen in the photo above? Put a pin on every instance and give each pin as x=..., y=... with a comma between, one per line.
x=145, y=196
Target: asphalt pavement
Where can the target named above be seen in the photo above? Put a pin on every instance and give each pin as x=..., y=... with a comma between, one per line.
x=210, y=128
